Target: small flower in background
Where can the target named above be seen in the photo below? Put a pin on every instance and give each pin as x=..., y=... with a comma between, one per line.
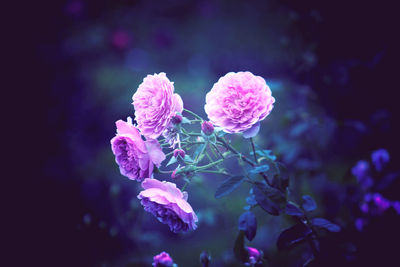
x=171, y=136
x=380, y=158
x=238, y=101
x=361, y=172
x=168, y=204
x=207, y=128
x=163, y=260
x=360, y=223
x=205, y=259
x=155, y=104
x=255, y=256
x=121, y=39
x=136, y=158
x=396, y=206
x=374, y=204
x=179, y=153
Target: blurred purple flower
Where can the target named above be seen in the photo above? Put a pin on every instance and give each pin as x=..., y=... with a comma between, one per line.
x=360, y=223
x=136, y=158
x=238, y=101
x=162, y=260
x=361, y=172
x=155, y=104
x=380, y=158
x=396, y=206
x=374, y=204
x=168, y=204
x=121, y=39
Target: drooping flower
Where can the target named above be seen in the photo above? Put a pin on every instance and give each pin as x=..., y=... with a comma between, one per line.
x=380, y=158
x=136, y=158
x=168, y=204
x=162, y=260
x=238, y=101
x=155, y=104
x=374, y=204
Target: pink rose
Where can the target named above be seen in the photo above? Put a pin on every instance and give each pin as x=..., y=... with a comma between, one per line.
x=136, y=158
x=155, y=104
x=238, y=101
x=168, y=204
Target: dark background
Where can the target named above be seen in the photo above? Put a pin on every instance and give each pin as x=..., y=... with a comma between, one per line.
x=346, y=52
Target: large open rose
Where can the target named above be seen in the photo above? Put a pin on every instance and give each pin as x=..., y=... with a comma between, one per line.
x=136, y=158
x=238, y=101
x=155, y=104
x=166, y=202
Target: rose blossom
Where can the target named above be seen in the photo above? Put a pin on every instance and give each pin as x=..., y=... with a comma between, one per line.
x=155, y=104
x=165, y=201
x=136, y=158
x=238, y=101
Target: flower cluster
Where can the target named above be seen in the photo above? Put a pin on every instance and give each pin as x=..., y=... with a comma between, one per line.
x=236, y=103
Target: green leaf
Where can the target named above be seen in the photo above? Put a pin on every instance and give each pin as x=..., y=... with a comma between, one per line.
x=171, y=161
x=188, y=159
x=266, y=154
x=272, y=193
x=239, y=250
x=248, y=224
x=259, y=169
x=283, y=176
x=265, y=203
x=293, y=236
x=293, y=210
x=229, y=185
x=309, y=203
x=185, y=120
x=324, y=223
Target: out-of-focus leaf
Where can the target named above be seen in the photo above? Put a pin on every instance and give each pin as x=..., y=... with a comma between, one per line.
x=324, y=223
x=259, y=169
x=172, y=160
x=283, y=176
x=248, y=224
x=185, y=120
x=293, y=236
x=265, y=203
x=265, y=153
x=228, y=186
x=239, y=250
x=293, y=210
x=272, y=193
x=309, y=203
x=251, y=200
x=188, y=159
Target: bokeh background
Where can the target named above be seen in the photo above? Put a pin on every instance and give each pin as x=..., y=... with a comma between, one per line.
x=331, y=65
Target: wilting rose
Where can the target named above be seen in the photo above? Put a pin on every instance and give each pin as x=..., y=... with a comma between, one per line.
x=136, y=158
x=238, y=101
x=155, y=104
x=168, y=204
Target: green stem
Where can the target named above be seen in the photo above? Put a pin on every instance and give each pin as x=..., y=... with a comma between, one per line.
x=184, y=186
x=201, y=152
x=194, y=114
x=219, y=152
x=254, y=149
x=216, y=172
x=209, y=165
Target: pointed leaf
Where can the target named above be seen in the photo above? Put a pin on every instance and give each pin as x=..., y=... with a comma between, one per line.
x=309, y=203
x=172, y=160
x=293, y=210
x=283, y=176
x=259, y=169
x=248, y=224
x=228, y=186
x=293, y=236
x=265, y=203
x=324, y=223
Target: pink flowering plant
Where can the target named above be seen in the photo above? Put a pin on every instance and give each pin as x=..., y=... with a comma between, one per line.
x=166, y=135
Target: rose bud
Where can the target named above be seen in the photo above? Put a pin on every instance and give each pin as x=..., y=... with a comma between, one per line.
x=176, y=119
x=207, y=128
x=179, y=152
x=174, y=175
x=205, y=259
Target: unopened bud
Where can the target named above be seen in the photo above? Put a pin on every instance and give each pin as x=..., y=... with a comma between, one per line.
x=179, y=152
x=174, y=175
x=207, y=128
x=176, y=119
